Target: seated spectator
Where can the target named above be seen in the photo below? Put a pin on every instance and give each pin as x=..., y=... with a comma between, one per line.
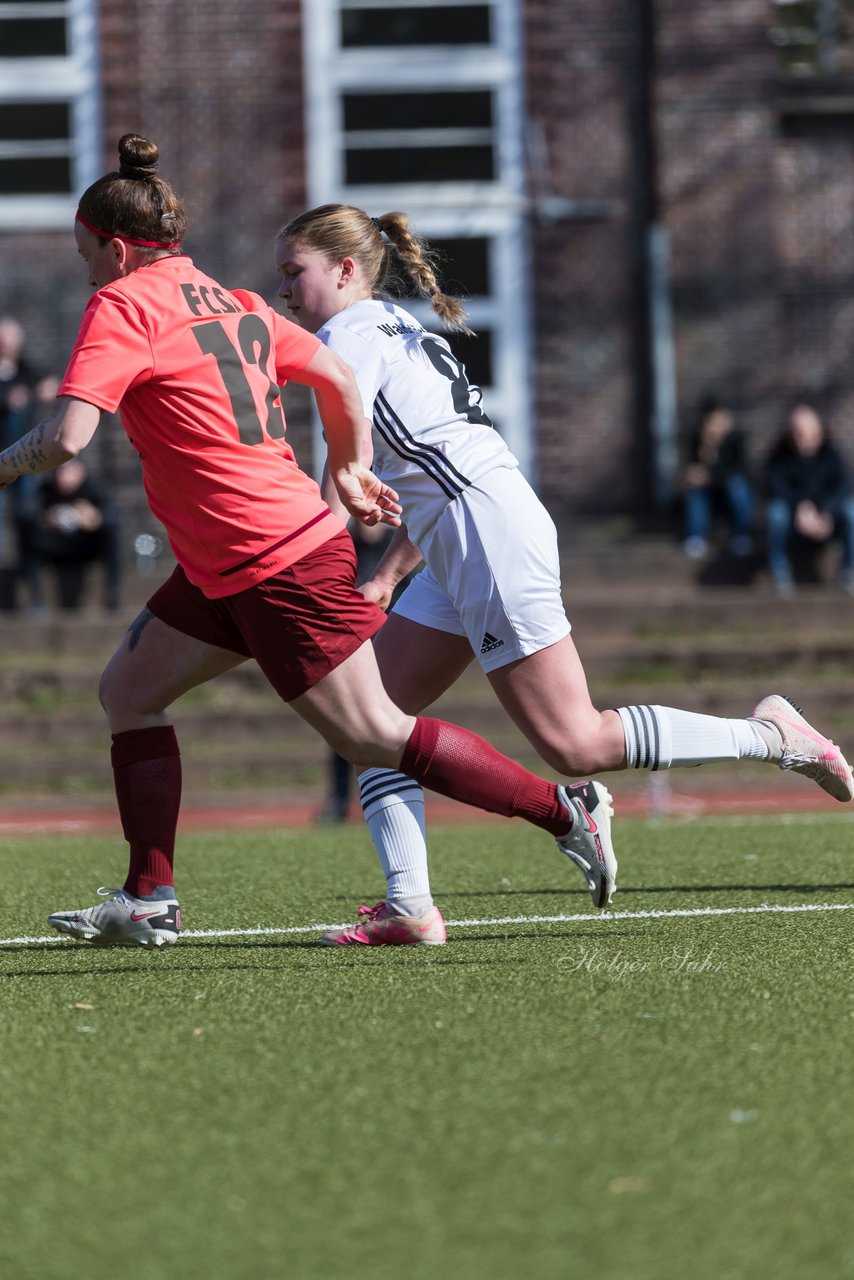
x=716, y=482
x=69, y=527
x=17, y=379
x=809, y=498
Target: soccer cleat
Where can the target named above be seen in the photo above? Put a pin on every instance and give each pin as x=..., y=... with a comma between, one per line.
x=121, y=921
x=804, y=749
x=380, y=926
x=588, y=844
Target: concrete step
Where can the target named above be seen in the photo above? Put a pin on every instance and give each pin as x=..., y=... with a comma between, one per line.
x=645, y=630
x=39, y=689
x=635, y=604
x=267, y=747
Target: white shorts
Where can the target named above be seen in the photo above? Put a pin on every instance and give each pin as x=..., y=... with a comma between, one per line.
x=491, y=572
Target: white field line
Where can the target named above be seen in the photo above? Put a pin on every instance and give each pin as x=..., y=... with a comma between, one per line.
x=479, y=921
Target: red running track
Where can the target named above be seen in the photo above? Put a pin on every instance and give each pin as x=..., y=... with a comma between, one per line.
x=264, y=814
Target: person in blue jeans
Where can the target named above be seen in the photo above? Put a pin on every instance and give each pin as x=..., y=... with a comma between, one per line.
x=809, y=497
x=717, y=480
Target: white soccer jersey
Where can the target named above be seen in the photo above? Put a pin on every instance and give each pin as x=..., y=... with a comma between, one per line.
x=431, y=437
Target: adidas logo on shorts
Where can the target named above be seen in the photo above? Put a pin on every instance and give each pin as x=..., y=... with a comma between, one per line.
x=490, y=643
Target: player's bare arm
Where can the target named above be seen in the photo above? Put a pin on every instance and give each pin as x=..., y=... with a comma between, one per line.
x=340, y=407
x=25, y=456
x=399, y=559
x=327, y=485
x=61, y=436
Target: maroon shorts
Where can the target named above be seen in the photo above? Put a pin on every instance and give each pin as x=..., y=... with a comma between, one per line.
x=298, y=625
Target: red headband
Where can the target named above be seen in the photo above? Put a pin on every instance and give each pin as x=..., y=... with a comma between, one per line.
x=115, y=235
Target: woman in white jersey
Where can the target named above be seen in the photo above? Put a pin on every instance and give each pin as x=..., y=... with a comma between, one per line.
x=490, y=587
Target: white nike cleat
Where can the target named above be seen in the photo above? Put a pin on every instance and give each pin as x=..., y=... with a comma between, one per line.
x=804, y=749
x=588, y=844
x=122, y=921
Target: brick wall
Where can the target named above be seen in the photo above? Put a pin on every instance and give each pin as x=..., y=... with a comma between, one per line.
x=717, y=141
x=219, y=88
x=757, y=203
x=582, y=278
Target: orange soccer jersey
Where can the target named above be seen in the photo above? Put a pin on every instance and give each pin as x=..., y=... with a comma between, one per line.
x=195, y=372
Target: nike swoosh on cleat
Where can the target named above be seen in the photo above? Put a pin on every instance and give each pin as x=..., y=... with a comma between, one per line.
x=588, y=821
x=808, y=732
x=144, y=915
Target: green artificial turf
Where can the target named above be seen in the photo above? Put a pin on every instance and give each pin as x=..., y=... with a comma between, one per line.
x=626, y=1099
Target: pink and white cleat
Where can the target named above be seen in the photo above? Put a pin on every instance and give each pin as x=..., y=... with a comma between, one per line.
x=805, y=750
x=381, y=926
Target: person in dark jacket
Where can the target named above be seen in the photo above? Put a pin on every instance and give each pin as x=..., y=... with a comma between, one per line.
x=717, y=481
x=72, y=527
x=17, y=383
x=808, y=498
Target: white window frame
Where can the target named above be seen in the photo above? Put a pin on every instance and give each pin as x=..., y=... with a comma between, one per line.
x=496, y=208
x=73, y=79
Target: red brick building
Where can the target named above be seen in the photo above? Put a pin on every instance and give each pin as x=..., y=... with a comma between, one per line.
x=645, y=200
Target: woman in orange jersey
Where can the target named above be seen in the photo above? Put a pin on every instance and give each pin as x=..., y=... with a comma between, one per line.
x=265, y=570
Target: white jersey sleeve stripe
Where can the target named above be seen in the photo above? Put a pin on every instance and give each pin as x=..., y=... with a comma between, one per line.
x=436, y=441
x=426, y=456
x=411, y=456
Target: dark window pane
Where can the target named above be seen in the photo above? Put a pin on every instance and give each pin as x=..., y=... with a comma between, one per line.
x=420, y=164
x=37, y=176
x=467, y=109
x=476, y=355
x=30, y=121
x=468, y=24
x=33, y=38
x=813, y=37
x=464, y=265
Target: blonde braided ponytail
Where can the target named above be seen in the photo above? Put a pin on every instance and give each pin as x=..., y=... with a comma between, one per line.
x=419, y=264
x=342, y=230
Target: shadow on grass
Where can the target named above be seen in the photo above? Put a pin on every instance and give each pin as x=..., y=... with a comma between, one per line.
x=348, y=954
x=626, y=890
x=498, y=894
x=110, y=971
x=736, y=888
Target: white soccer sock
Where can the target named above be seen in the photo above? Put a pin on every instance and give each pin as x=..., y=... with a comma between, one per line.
x=667, y=738
x=393, y=806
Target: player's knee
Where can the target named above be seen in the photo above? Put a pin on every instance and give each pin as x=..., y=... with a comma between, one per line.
x=576, y=755
x=120, y=696
x=376, y=744
x=107, y=691
x=368, y=753
x=576, y=763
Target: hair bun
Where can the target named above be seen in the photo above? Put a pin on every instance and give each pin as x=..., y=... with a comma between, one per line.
x=138, y=157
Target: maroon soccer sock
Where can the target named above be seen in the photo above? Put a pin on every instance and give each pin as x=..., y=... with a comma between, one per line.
x=461, y=765
x=147, y=773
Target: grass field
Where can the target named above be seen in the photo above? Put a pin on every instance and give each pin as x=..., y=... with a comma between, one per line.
x=553, y=1094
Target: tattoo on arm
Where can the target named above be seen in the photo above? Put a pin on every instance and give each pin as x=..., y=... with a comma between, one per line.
x=137, y=627
x=28, y=454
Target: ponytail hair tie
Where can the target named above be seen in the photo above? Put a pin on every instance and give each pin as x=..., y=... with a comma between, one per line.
x=378, y=224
